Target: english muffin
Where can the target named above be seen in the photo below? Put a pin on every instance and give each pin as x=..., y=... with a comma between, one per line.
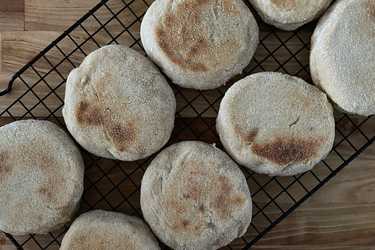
x=41, y=177
x=289, y=14
x=195, y=197
x=342, y=56
x=200, y=44
x=276, y=124
x=118, y=105
x=104, y=230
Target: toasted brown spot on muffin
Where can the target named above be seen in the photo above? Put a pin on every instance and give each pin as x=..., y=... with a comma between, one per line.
x=4, y=166
x=88, y=114
x=198, y=192
x=224, y=184
x=284, y=151
x=183, y=225
x=227, y=201
x=49, y=189
x=201, y=208
x=247, y=137
x=250, y=137
x=182, y=35
x=123, y=136
x=46, y=163
x=194, y=192
x=198, y=45
x=371, y=9
x=176, y=206
x=285, y=4
x=194, y=188
x=96, y=241
x=45, y=191
x=184, y=200
x=230, y=8
x=238, y=200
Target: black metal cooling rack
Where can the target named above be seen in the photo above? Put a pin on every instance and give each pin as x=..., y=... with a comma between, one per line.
x=114, y=185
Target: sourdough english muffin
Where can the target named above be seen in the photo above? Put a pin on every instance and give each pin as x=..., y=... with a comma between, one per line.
x=342, y=56
x=276, y=124
x=289, y=14
x=195, y=197
x=104, y=230
x=118, y=105
x=41, y=177
x=200, y=44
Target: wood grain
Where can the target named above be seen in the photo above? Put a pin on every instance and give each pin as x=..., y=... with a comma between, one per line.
x=54, y=15
x=12, y=15
x=19, y=47
x=11, y=21
x=12, y=5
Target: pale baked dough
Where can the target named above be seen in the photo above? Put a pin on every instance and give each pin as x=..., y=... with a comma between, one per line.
x=276, y=124
x=118, y=105
x=41, y=177
x=200, y=44
x=194, y=197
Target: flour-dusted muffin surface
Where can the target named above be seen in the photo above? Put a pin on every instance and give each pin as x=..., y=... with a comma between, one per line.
x=342, y=55
x=194, y=196
x=289, y=14
x=118, y=105
x=104, y=230
x=41, y=177
x=200, y=44
x=276, y=124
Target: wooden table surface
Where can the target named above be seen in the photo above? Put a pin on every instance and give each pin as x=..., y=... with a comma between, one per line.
x=341, y=215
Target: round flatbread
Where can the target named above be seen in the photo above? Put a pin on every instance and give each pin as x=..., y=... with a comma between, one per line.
x=41, y=177
x=342, y=56
x=194, y=196
x=104, y=230
x=289, y=14
x=118, y=105
x=276, y=124
x=200, y=44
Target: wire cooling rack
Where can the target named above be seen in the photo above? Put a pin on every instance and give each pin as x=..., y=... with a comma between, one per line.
x=115, y=185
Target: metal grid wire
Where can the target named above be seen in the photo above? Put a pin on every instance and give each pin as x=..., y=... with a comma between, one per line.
x=115, y=185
